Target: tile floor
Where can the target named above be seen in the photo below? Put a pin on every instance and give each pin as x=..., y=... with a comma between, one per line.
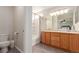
x=13, y=50
x=41, y=48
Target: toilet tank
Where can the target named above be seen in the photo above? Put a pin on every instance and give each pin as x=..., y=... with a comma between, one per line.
x=3, y=37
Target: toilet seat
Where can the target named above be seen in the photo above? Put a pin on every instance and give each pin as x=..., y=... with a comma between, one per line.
x=4, y=44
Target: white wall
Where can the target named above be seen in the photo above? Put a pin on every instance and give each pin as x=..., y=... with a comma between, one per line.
x=21, y=26
x=6, y=21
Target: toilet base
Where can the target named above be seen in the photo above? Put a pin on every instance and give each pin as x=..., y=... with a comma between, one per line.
x=4, y=50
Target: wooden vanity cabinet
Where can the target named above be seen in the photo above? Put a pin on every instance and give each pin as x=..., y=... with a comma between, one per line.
x=43, y=37
x=64, y=40
x=74, y=42
x=55, y=39
x=48, y=37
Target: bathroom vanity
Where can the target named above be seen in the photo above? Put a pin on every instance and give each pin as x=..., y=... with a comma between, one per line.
x=61, y=30
x=65, y=40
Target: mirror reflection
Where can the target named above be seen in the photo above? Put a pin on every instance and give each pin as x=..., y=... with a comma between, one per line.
x=60, y=19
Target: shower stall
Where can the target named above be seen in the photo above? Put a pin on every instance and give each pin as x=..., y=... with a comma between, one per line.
x=35, y=29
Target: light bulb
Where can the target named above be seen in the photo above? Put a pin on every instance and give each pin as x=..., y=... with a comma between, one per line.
x=66, y=11
x=62, y=12
x=57, y=12
x=53, y=14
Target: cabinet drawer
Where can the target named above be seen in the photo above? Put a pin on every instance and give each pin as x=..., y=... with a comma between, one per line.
x=55, y=34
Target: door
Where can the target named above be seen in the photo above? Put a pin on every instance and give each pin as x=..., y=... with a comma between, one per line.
x=48, y=37
x=55, y=39
x=43, y=37
x=64, y=40
x=74, y=42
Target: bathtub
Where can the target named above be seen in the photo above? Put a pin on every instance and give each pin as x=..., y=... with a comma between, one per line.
x=35, y=39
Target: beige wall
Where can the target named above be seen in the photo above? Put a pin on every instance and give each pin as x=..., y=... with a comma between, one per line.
x=12, y=19
x=6, y=20
x=18, y=26
x=22, y=25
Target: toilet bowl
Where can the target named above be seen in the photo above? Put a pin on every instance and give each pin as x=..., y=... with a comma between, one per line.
x=4, y=46
x=4, y=43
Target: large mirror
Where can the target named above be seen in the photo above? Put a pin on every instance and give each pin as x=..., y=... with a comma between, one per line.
x=65, y=20
x=62, y=19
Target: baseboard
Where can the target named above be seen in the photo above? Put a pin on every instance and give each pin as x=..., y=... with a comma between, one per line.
x=19, y=49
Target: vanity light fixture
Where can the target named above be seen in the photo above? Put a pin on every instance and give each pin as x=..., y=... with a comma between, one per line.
x=53, y=14
x=59, y=12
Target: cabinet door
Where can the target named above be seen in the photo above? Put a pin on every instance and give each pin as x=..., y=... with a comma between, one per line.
x=74, y=42
x=64, y=40
x=55, y=39
x=48, y=37
x=43, y=37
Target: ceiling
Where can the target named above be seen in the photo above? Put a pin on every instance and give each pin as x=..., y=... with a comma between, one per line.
x=46, y=10
x=37, y=9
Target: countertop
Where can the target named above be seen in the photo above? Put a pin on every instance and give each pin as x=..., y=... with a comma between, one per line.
x=72, y=32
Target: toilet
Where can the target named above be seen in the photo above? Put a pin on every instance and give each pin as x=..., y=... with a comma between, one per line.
x=4, y=43
x=4, y=46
